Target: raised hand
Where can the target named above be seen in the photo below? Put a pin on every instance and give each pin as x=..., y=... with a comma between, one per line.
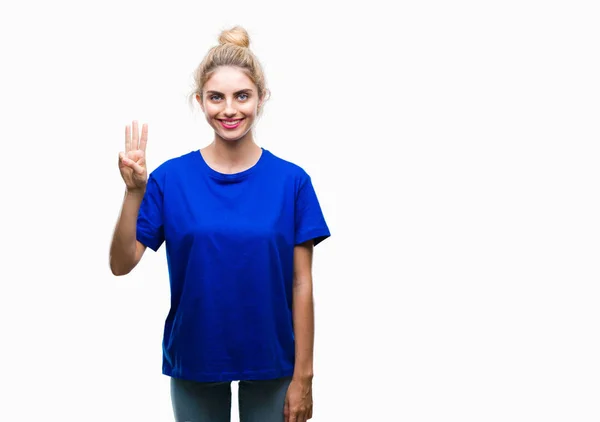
x=132, y=162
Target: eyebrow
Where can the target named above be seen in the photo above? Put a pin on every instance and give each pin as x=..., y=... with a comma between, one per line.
x=235, y=93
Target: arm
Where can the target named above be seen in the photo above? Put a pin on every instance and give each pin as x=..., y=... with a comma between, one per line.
x=303, y=311
x=125, y=250
x=298, y=402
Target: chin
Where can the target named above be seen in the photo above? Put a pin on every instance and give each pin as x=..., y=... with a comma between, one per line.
x=231, y=137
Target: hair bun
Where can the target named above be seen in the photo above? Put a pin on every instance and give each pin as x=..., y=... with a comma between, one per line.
x=236, y=35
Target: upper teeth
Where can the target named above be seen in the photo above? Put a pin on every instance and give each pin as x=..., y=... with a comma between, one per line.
x=231, y=122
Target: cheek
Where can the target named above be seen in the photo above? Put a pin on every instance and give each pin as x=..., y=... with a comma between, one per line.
x=249, y=109
x=210, y=111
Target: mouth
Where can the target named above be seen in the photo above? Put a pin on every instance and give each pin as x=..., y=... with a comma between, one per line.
x=230, y=123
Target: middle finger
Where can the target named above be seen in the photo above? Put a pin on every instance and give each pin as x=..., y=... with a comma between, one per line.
x=136, y=136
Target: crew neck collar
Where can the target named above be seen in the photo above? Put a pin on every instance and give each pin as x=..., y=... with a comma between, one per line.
x=231, y=176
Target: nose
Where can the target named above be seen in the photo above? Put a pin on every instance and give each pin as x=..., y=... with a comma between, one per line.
x=229, y=111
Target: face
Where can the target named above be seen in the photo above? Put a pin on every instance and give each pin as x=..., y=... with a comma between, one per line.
x=230, y=103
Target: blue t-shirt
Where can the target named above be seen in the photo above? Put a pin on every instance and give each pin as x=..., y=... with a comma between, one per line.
x=230, y=245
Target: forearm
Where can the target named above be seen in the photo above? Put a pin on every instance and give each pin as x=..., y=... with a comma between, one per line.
x=303, y=317
x=123, y=246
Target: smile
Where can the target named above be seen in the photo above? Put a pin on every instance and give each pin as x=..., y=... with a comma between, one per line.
x=231, y=124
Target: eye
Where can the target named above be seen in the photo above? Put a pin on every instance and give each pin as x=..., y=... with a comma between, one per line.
x=243, y=96
x=215, y=97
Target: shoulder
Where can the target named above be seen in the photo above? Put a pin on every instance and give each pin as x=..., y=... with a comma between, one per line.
x=287, y=169
x=172, y=166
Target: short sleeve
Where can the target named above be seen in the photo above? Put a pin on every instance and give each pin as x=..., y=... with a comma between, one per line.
x=150, y=227
x=309, y=220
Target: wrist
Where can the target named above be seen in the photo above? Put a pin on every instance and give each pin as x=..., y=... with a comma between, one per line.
x=304, y=376
x=135, y=191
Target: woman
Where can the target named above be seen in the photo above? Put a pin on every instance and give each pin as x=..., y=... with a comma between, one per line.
x=239, y=225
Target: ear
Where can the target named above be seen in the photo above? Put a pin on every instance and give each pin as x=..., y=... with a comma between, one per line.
x=264, y=98
x=200, y=102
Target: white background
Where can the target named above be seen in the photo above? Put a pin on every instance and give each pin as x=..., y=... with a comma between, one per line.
x=453, y=146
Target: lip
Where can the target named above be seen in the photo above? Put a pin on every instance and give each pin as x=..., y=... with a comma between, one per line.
x=227, y=125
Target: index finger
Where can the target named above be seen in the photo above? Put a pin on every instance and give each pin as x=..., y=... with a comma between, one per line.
x=144, y=138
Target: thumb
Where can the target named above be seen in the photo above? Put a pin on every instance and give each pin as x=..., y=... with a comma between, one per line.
x=286, y=410
x=133, y=165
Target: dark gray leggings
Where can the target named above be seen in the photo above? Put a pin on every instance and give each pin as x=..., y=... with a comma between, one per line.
x=259, y=401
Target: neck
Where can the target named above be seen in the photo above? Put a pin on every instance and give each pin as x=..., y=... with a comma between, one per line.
x=231, y=156
x=233, y=151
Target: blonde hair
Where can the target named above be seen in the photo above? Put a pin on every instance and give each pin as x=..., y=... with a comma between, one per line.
x=233, y=50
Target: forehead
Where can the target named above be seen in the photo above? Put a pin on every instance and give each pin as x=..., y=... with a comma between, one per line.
x=228, y=78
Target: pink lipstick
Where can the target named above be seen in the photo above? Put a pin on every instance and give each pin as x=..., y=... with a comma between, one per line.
x=231, y=124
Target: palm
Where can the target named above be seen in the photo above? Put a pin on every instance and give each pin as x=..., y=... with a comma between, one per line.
x=132, y=162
